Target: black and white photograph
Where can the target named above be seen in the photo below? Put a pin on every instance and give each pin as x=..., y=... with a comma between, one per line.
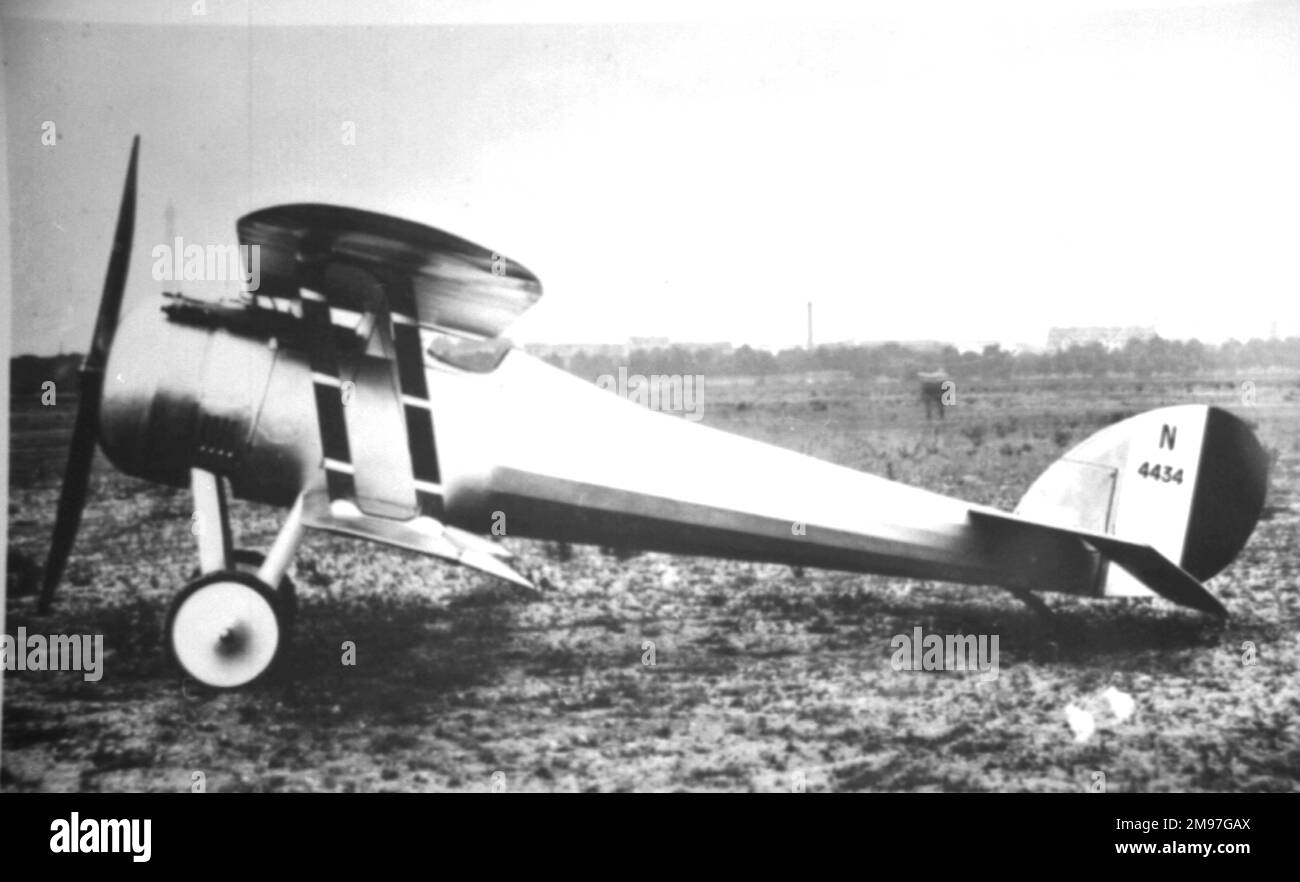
x=652, y=398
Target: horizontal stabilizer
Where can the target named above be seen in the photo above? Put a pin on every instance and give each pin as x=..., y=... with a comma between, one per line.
x=1143, y=562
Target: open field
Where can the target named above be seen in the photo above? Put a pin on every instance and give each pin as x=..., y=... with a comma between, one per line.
x=763, y=679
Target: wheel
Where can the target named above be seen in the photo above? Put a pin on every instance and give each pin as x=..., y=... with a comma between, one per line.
x=247, y=560
x=224, y=629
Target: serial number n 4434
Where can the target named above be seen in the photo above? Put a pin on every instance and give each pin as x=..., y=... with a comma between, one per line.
x=1163, y=473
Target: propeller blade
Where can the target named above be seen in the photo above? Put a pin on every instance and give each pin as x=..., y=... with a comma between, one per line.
x=110, y=302
x=76, y=477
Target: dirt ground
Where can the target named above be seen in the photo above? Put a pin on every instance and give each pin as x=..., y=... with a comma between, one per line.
x=763, y=678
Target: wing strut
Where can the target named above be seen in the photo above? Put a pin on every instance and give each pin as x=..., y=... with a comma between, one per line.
x=415, y=396
x=339, y=471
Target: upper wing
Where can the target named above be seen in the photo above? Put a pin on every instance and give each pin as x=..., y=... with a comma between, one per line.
x=455, y=285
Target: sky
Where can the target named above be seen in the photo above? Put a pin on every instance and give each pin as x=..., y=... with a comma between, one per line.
x=696, y=172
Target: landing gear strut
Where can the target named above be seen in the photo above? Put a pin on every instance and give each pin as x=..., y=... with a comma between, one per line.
x=227, y=627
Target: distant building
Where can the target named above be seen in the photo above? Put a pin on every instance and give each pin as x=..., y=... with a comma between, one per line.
x=566, y=351
x=976, y=346
x=648, y=342
x=1111, y=338
x=922, y=346
x=721, y=348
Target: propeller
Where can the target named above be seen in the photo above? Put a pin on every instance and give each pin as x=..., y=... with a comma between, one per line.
x=76, y=477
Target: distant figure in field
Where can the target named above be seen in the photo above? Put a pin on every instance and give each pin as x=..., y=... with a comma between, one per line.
x=934, y=386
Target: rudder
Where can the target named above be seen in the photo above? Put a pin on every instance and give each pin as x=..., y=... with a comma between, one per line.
x=1188, y=480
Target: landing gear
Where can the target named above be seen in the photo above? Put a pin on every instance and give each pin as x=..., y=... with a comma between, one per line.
x=227, y=627
x=224, y=629
x=251, y=562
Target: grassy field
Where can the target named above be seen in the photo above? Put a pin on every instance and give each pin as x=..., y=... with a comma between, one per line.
x=764, y=678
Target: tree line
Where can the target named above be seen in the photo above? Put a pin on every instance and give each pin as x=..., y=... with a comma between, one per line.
x=889, y=361
x=898, y=361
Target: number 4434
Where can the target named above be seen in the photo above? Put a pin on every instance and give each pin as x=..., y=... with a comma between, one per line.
x=1162, y=473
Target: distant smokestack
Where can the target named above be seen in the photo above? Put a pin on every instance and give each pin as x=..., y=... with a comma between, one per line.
x=810, y=337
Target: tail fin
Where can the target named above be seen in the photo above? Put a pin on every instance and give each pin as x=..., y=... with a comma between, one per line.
x=1187, y=482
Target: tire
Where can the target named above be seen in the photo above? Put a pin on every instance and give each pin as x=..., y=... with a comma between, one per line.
x=247, y=560
x=225, y=630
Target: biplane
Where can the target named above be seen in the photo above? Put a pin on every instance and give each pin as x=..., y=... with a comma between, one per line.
x=367, y=388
